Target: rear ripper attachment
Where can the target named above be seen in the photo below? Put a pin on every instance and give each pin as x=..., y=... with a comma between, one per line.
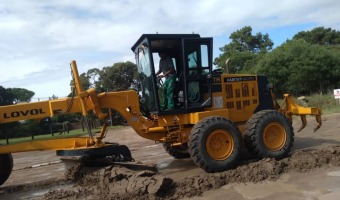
x=290, y=108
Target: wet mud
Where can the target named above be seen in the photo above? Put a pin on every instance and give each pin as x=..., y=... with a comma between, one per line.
x=121, y=182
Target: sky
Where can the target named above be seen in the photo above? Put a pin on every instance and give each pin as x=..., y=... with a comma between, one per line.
x=39, y=38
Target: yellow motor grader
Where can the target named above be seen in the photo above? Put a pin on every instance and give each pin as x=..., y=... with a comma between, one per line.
x=215, y=115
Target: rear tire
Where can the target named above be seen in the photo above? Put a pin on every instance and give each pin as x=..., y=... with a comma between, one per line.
x=214, y=144
x=6, y=166
x=269, y=134
x=177, y=152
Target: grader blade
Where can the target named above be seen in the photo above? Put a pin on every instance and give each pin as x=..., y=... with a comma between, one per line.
x=291, y=108
x=116, y=152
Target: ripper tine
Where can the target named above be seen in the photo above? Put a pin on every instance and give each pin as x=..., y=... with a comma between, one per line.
x=304, y=122
x=319, y=122
x=317, y=127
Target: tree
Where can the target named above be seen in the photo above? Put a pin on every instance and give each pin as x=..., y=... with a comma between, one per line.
x=118, y=77
x=21, y=95
x=53, y=97
x=244, y=50
x=84, y=82
x=300, y=68
x=93, y=75
x=6, y=98
x=320, y=35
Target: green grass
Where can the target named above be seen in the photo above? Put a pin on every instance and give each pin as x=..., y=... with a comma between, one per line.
x=72, y=133
x=326, y=102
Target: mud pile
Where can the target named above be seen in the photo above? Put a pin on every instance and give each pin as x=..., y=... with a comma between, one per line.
x=116, y=182
x=112, y=182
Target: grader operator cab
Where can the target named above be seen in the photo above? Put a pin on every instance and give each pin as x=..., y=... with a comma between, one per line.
x=192, y=58
x=214, y=114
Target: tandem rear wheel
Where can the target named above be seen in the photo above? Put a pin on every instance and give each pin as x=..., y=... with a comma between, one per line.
x=269, y=134
x=215, y=144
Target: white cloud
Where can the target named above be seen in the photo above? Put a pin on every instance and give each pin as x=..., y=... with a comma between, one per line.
x=40, y=38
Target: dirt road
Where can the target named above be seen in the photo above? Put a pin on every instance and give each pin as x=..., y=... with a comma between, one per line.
x=311, y=172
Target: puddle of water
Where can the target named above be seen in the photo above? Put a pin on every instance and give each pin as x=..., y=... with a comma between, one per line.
x=152, y=146
x=335, y=173
x=164, y=163
x=264, y=189
x=45, y=164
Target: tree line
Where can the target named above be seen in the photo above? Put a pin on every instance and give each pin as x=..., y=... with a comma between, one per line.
x=306, y=64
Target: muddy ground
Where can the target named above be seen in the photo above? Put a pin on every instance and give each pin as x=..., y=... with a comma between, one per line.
x=41, y=175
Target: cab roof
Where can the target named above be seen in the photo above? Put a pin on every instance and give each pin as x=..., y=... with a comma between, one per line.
x=163, y=37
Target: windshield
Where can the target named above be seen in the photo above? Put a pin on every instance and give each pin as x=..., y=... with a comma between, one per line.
x=146, y=79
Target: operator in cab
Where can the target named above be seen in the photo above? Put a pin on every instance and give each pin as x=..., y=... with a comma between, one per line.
x=166, y=67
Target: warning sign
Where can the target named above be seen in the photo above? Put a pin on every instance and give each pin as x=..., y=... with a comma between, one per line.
x=337, y=93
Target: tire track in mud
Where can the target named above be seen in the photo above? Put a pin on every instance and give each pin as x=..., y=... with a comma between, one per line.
x=117, y=182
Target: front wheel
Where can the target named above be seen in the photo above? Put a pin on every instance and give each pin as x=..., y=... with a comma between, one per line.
x=6, y=166
x=214, y=144
x=269, y=133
